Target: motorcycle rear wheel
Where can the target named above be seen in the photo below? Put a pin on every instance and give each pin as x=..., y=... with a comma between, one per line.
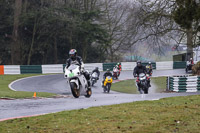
x=75, y=91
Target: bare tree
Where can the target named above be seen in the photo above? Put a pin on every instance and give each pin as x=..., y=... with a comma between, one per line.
x=157, y=26
x=15, y=48
x=116, y=22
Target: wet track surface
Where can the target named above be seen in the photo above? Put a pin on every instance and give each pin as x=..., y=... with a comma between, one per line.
x=57, y=84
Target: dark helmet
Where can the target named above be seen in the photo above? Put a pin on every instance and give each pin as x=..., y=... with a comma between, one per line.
x=96, y=68
x=139, y=64
x=72, y=54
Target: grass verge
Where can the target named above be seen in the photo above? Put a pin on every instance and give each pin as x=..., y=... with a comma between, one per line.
x=128, y=86
x=125, y=86
x=176, y=114
x=160, y=83
x=5, y=91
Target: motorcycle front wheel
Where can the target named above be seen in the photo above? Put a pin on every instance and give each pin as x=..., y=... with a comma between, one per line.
x=75, y=90
x=140, y=90
x=146, y=90
x=108, y=87
x=104, y=89
x=89, y=93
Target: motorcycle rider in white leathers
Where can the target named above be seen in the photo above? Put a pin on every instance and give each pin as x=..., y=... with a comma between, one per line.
x=74, y=59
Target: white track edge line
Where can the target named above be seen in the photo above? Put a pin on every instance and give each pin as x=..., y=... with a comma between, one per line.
x=10, y=85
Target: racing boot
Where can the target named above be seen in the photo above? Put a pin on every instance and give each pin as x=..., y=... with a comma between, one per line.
x=89, y=85
x=149, y=84
x=102, y=84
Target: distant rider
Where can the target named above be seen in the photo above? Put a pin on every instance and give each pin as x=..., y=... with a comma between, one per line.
x=97, y=71
x=191, y=61
x=149, y=68
x=140, y=69
x=107, y=73
x=74, y=59
x=119, y=67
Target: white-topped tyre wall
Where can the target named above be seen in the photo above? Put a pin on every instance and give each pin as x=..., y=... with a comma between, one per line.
x=184, y=83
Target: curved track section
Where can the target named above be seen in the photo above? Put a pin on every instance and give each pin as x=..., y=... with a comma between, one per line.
x=57, y=84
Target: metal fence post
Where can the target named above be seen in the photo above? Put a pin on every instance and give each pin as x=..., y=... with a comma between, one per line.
x=167, y=84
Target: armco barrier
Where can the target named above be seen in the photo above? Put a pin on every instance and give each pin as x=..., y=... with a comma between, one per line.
x=1, y=70
x=12, y=69
x=184, y=84
x=164, y=65
x=25, y=69
x=179, y=64
x=54, y=68
x=91, y=66
x=128, y=65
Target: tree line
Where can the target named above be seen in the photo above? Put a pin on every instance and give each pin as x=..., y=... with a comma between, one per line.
x=43, y=31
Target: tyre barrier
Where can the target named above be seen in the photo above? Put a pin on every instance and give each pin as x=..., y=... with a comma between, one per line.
x=183, y=83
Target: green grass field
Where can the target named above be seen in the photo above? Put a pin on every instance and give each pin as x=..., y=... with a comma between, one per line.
x=176, y=114
x=128, y=86
x=160, y=82
x=125, y=86
x=5, y=91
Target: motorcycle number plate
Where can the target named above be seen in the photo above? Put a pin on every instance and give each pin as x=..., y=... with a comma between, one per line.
x=71, y=74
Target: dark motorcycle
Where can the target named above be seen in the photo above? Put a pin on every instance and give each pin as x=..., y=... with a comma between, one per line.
x=142, y=84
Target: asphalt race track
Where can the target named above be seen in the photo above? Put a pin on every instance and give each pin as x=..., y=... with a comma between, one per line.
x=57, y=84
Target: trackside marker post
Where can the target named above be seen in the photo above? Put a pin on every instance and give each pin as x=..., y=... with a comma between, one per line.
x=34, y=95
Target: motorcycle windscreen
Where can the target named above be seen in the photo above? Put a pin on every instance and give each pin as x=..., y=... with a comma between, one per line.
x=94, y=75
x=141, y=75
x=72, y=67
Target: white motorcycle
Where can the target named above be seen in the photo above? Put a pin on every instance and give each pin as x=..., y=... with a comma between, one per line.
x=115, y=73
x=77, y=81
x=94, y=78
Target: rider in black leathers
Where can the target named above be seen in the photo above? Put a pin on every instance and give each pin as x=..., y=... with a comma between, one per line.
x=140, y=69
x=107, y=73
x=74, y=59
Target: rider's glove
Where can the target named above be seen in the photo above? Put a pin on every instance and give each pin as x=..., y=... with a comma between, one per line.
x=82, y=69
